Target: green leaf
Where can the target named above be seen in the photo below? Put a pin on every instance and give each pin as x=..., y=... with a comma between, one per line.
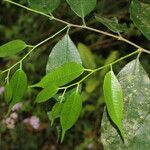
x=47, y=93
x=46, y=6
x=63, y=52
x=55, y=112
x=86, y=56
x=18, y=84
x=12, y=48
x=112, y=24
x=82, y=7
x=8, y=93
x=61, y=76
x=136, y=89
x=70, y=112
x=140, y=15
x=114, y=99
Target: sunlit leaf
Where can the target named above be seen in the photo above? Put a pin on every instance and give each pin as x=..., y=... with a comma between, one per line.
x=64, y=52
x=112, y=24
x=70, y=112
x=86, y=56
x=46, y=6
x=114, y=99
x=82, y=7
x=55, y=112
x=47, y=93
x=62, y=75
x=136, y=90
x=12, y=48
x=140, y=14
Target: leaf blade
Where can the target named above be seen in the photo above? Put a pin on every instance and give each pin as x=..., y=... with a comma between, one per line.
x=140, y=14
x=12, y=48
x=64, y=51
x=112, y=24
x=82, y=7
x=47, y=93
x=114, y=99
x=70, y=112
x=62, y=75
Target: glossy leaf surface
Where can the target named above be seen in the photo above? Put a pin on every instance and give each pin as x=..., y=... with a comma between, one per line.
x=114, y=99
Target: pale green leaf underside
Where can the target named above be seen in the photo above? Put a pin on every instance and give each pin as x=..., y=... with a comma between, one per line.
x=136, y=89
x=70, y=112
x=82, y=7
x=140, y=15
x=46, y=6
x=62, y=75
x=112, y=24
x=12, y=48
x=64, y=52
x=113, y=99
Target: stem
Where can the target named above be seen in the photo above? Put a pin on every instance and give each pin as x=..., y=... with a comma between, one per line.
x=39, y=44
x=100, y=68
x=27, y=8
x=80, y=26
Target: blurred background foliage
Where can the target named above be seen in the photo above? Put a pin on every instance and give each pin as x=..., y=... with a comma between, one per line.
x=95, y=49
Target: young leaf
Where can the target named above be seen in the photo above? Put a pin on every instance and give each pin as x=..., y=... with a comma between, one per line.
x=140, y=14
x=82, y=7
x=114, y=99
x=55, y=112
x=12, y=48
x=63, y=75
x=46, y=6
x=136, y=89
x=47, y=93
x=70, y=112
x=112, y=24
x=64, y=52
x=8, y=93
x=18, y=84
x=86, y=56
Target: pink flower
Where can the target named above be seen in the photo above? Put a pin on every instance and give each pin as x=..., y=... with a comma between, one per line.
x=17, y=106
x=33, y=121
x=1, y=90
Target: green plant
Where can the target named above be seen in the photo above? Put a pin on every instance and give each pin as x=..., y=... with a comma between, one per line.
x=65, y=65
